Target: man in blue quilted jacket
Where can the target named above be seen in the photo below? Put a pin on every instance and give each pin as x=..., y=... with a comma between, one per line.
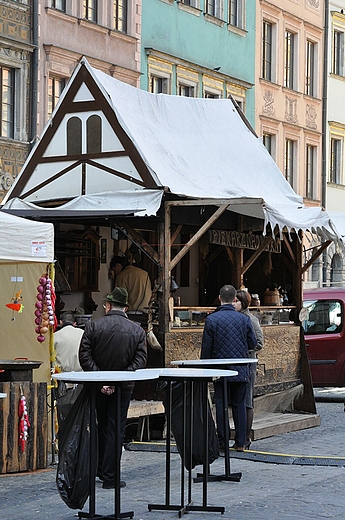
x=229, y=334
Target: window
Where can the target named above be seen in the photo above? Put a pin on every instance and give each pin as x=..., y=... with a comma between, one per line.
x=74, y=136
x=268, y=141
x=310, y=167
x=324, y=317
x=289, y=59
x=236, y=13
x=193, y=3
x=338, y=53
x=335, y=166
x=120, y=15
x=59, y=4
x=55, y=87
x=267, y=51
x=211, y=95
x=289, y=161
x=90, y=10
x=214, y=8
x=158, y=85
x=7, y=102
x=93, y=134
x=186, y=90
x=310, y=66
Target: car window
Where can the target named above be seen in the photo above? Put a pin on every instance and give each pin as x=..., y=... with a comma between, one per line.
x=324, y=316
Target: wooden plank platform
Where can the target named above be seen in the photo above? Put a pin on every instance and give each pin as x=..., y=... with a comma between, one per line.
x=144, y=408
x=271, y=424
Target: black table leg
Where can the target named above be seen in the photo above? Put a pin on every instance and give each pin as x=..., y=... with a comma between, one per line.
x=233, y=477
x=93, y=459
x=186, y=508
x=228, y=476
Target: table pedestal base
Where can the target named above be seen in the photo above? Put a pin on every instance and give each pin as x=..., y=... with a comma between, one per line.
x=129, y=514
x=233, y=477
x=185, y=509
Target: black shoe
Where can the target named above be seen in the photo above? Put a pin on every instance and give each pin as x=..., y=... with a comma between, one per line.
x=110, y=484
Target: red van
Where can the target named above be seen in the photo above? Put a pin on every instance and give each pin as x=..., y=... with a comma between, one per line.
x=323, y=324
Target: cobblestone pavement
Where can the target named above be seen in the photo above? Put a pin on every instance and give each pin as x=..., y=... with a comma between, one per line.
x=266, y=491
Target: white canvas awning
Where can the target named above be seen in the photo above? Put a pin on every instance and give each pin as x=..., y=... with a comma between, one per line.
x=138, y=203
x=23, y=240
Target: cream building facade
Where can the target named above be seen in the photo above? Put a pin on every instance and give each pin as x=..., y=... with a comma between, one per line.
x=288, y=100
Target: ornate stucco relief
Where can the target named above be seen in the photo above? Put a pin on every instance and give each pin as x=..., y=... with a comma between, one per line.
x=6, y=180
x=314, y=3
x=291, y=109
x=268, y=107
x=311, y=117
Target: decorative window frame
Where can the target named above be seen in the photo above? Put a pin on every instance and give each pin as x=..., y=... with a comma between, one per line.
x=272, y=18
x=337, y=131
x=212, y=86
x=18, y=59
x=160, y=69
x=338, y=25
x=188, y=78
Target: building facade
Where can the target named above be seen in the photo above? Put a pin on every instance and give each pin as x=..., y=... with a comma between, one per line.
x=16, y=51
x=289, y=87
x=199, y=48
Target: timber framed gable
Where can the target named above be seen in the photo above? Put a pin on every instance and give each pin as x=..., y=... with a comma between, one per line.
x=83, y=150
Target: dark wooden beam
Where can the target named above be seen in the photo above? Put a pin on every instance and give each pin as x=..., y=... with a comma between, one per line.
x=316, y=255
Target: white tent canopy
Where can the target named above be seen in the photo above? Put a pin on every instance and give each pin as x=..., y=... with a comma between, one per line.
x=23, y=240
x=191, y=147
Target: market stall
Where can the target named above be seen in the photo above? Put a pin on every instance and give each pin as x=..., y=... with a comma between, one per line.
x=189, y=192
x=26, y=252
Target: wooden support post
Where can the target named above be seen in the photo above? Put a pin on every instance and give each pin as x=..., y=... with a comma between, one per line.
x=166, y=265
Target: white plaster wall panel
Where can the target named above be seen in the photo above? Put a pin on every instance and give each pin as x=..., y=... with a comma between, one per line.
x=71, y=186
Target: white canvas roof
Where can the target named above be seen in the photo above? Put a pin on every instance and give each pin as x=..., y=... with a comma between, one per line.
x=192, y=147
x=23, y=240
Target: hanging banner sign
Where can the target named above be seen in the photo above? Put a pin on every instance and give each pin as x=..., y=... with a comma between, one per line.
x=242, y=240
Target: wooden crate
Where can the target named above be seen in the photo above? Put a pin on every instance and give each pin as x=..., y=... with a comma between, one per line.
x=12, y=460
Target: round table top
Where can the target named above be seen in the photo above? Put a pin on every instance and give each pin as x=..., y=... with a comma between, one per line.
x=105, y=376
x=215, y=362
x=111, y=376
x=191, y=372
x=2, y=396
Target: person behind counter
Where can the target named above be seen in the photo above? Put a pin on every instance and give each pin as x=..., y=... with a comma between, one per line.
x=241, y=305
x=229, y=334
x=138, y=285
x=112, y=343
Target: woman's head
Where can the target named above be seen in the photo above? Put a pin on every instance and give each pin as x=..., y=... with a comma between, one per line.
x=243, y=300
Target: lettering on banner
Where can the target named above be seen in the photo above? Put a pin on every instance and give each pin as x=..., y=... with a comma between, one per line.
x=242, y=240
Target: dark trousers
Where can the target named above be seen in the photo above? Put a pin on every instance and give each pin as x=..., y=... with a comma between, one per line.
x=105, y=405
x=236, y=397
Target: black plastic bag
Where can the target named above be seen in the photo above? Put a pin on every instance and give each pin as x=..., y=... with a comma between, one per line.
x=73, y=471
x=195, y=455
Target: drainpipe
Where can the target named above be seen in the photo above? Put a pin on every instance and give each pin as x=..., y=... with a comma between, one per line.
x=324, y=130
x=34, y=74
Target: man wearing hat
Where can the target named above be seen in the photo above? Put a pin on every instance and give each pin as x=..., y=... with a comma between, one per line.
x=112, y=343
